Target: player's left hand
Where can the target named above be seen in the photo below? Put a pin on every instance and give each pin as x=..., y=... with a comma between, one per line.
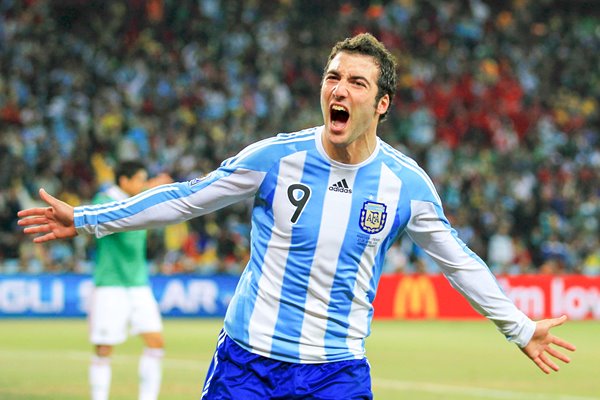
x=539, y=349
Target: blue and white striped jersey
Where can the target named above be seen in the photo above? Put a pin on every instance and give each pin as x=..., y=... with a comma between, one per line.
x=320, y=230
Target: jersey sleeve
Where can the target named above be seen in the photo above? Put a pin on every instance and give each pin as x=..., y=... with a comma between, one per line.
x=466, y=272
x=172, y=203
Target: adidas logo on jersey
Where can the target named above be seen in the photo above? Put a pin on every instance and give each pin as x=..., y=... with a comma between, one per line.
x=341, y=186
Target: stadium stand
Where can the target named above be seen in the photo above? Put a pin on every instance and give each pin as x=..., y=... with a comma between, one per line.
x=497, y=100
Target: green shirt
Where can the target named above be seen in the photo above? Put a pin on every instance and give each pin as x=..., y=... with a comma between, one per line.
x=120, y=257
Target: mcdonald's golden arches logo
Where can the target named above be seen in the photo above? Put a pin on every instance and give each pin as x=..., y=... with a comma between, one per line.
x=415, y=297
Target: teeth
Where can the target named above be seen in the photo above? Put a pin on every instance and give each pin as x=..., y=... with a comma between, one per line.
x=338, y=108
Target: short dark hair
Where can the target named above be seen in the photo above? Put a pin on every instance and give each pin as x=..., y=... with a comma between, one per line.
x=367, y=44
x=128, y=169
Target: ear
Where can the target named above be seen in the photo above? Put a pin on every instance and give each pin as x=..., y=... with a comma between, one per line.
x=383, y=104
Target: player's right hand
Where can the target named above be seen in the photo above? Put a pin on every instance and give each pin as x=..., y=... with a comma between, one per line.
x=53, y=222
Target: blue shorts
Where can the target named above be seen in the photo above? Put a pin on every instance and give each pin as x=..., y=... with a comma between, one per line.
x=235, y=373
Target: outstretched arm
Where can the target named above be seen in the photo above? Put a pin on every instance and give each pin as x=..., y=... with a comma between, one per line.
x=538, y=349
x=469, y=275
x=54, y=222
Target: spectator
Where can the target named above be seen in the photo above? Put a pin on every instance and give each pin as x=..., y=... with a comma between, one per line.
x=501, y=250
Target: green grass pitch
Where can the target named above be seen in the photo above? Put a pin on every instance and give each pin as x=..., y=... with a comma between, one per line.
x=421, y=360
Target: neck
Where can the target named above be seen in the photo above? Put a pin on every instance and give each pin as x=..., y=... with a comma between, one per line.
x=351, y=153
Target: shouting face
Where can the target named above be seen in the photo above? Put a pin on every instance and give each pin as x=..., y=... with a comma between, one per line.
x=350, y=109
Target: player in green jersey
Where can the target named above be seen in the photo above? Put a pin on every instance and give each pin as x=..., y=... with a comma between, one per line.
x=122, y=299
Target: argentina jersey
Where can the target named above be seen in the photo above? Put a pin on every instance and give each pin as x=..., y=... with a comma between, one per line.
x=320, y=230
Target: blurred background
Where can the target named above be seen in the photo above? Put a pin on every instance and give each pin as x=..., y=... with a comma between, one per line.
x=497, y=100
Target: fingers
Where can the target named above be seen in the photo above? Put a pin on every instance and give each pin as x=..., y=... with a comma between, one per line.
x=37, y=229
x=545, y=363
x=563, y=343
x=34, y=225
x=38, y=210
x=31, y=212
x=541, y=365
x=557, y=354
x=557, y=321
x=47, y=197
x=45, y=238
x=548, y=362
x=33, y=221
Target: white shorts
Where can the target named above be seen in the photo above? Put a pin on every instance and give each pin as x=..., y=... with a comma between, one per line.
x=115, y=309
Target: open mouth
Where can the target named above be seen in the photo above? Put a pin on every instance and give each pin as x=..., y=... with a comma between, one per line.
x=339, y=115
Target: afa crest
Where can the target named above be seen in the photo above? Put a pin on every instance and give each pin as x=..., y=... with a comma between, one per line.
x=372, y=217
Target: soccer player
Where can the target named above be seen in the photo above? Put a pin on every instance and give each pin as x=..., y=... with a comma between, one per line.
x=122, y=298
x=328, y=203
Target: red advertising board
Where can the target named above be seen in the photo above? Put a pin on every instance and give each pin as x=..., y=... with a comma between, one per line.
x=538, y=296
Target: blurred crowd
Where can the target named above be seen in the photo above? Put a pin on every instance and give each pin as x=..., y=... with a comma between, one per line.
x=497, y=101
